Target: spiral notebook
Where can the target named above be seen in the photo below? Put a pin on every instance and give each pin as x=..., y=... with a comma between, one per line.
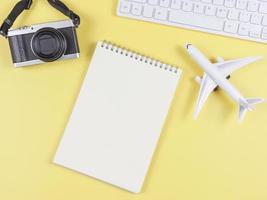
x=118, y=117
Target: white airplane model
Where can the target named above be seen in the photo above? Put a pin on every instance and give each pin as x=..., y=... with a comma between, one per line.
x=216, y=76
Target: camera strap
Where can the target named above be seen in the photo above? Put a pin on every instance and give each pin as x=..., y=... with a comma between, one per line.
x=26, y=5
x=17, y=10
x=60, y=6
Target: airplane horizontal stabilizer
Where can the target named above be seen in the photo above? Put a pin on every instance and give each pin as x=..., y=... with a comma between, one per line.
x=242, y=112
x=251, y=102
x=254, y=101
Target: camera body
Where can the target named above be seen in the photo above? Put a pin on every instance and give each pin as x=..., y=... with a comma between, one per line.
x=41, y=43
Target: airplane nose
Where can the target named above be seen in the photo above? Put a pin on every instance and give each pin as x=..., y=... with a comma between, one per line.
x=187, y=46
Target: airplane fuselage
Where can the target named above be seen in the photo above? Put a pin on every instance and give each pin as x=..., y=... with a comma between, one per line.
x=216, y=75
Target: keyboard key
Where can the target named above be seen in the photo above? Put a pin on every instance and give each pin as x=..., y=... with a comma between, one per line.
x=193, y=20
x=139, y=1
x=206, y=1
x=256, y=18
x=255, y=31
x=222, y=12
x=264, y=34
x=161, y=13
x=244, y=16
x=187, y=6
x=233, y=14
x=243, y=29
x=136, y=9
x=263, y=8
x=264, y=21
x=148, y=11
x=218, y=2
x=210, y=10
x=176, y=4
x=253, y=6
x=153, y=2
x=230, y=3
x=125, y=7
x=241, y=4
x=231, y=27
x=199, y=8
x=164, y=3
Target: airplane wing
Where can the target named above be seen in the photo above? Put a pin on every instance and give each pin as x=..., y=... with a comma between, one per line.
x=228, y=67
x=206, y=88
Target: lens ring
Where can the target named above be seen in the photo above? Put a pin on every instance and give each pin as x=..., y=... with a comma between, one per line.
x=48, y=44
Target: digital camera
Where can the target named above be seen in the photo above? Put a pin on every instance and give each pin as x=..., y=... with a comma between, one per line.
x=41, y=43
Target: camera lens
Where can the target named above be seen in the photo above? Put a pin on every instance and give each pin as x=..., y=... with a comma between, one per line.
x=48, y=44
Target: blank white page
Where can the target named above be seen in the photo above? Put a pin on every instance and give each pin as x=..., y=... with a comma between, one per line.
x=118, y=116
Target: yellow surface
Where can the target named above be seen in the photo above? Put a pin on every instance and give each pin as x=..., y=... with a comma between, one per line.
x=212, y=158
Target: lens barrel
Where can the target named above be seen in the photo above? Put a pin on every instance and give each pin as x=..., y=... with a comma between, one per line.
x=48, y=44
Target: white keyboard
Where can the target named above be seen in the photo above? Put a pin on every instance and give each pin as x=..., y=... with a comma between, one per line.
x=244, y=19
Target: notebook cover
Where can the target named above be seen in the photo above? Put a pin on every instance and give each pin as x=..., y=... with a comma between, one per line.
x=118, y=116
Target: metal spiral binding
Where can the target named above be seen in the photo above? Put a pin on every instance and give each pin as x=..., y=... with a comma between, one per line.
x=123, y=51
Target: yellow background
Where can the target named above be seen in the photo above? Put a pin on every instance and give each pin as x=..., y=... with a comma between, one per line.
x=211, y=158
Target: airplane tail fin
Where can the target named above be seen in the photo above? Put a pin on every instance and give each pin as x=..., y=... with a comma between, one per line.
x=252, y=102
